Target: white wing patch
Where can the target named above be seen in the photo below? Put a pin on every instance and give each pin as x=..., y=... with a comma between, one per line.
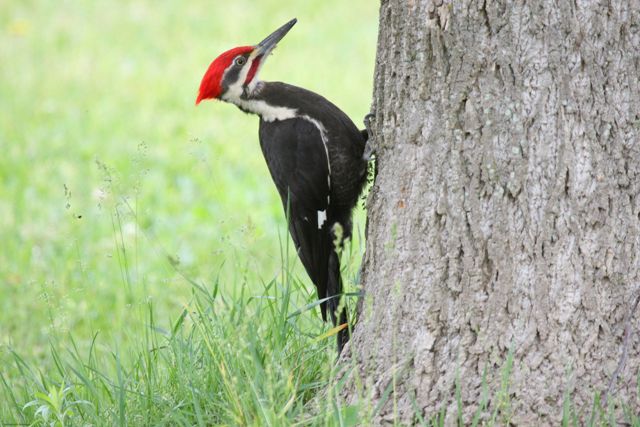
x=322, y=217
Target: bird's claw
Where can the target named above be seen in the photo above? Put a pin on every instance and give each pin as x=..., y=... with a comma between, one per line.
x=369, y=148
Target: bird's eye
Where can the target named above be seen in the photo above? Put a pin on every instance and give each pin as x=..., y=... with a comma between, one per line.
x=240, y=60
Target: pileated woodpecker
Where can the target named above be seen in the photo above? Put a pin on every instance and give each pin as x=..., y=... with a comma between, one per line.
x=315, y=156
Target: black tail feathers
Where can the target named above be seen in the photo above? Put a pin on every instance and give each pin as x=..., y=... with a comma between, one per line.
x=319, y=251
x=334, y=289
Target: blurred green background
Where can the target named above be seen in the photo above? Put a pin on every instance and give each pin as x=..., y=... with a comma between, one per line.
x=114, y=187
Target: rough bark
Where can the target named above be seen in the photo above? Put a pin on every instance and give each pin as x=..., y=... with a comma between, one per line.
x=506, y=208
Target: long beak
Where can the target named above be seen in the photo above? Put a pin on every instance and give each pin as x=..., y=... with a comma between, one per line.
x=265, y=47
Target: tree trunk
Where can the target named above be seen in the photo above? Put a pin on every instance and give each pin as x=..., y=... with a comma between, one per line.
x=505, y=213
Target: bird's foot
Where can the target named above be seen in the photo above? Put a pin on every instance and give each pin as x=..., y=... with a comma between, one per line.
x=369, y=148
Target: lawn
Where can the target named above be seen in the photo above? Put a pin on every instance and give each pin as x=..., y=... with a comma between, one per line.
x=146, y=276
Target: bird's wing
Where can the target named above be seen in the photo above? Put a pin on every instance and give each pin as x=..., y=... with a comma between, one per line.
x=298, y=162
x=297, y=159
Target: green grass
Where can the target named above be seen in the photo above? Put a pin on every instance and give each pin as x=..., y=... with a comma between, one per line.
x=123, y=209
x=146, y=277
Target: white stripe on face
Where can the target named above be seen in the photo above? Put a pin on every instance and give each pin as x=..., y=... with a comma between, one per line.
x=234, y=91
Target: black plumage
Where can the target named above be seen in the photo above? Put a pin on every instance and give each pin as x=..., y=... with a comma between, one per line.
x=296, y=151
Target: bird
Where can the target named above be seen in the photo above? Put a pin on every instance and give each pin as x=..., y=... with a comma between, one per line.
x=315, y=155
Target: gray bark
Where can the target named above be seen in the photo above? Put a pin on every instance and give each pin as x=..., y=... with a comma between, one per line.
x=506, y=208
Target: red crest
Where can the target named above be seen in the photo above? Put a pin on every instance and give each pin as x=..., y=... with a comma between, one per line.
x=211, y=85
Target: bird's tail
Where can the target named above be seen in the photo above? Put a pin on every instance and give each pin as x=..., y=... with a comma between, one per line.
x=319, y=251
x=337, y=311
